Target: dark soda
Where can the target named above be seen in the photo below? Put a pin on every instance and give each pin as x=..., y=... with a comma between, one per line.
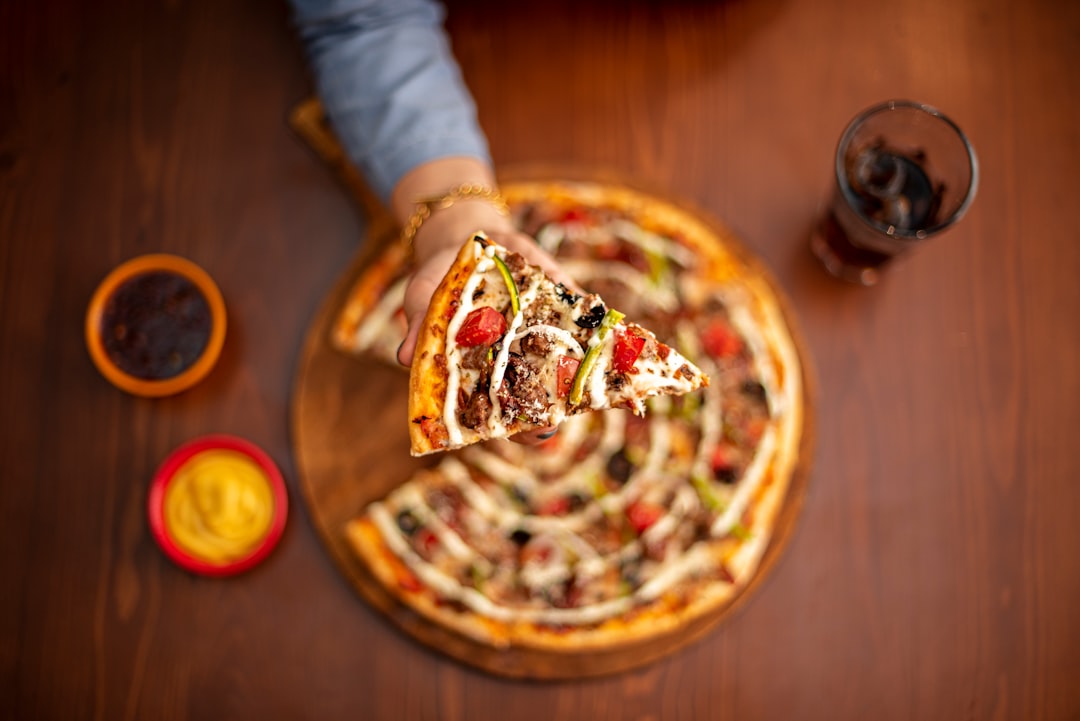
x=891, y=203
x=893, y=189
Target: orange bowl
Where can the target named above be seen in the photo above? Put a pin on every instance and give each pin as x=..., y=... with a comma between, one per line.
x=99, y=308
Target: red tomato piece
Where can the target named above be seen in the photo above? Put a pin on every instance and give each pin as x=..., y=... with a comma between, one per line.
x=720, y=341
x=754, y=430
x=723, y=464
x=627, y=349
x=726, y=573
x=535, y=553
x=721, y=459
x=482, y=326
x=565, y=372
x=559, y=506
x=643, y=514
x=574, y=215
x=426, y=541
x=608, y=251
x=408, y=581
x=572, y=599
x=434, y=430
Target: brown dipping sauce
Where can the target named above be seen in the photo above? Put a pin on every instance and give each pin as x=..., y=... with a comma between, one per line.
x=155, y=325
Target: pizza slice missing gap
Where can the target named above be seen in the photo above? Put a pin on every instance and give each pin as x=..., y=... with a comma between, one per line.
x=506, y=349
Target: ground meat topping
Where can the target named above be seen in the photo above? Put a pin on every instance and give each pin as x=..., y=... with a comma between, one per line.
x=518, y=268
x=537, y=344
x=476, y=411
x=522, y=395
x=475, y=358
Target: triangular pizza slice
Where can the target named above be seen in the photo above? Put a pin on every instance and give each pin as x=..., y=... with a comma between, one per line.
x=505, y=349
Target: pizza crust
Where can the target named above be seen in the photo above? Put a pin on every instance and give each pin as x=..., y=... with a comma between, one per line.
x=364, y=297
x=428, y=376
x=667, y=614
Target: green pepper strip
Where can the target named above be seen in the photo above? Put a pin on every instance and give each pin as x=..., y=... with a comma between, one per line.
x=741, y=532
x=477, y=577
x=577, y=390
x=707, y=494
x=515, y=304
x=508, y=278
x=657, y=265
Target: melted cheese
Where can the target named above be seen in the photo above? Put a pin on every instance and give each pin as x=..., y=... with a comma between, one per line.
x=502, y=360
x=550, y=237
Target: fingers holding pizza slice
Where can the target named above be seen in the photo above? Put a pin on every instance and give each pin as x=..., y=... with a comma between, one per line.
x=506, y=349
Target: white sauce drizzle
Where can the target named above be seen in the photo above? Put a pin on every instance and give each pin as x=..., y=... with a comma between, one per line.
x=743, y=322
x=550, y=237
x=590, y=465
x=698, y=558
x=659, y=446
x=430, y=575
x=505, y=473
x=483, y=503
x=586, y=271
x=712, y=427
x=552, y=569
x=748, y=484
x=557, y=334
x=379, y=317
x=453, y=353
x=631, y=231
x=494, y=421
x=685, y=502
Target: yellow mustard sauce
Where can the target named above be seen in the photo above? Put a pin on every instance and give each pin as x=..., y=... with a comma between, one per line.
x=218, y=506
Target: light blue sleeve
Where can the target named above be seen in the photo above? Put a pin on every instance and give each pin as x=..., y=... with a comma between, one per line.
x=390, y=85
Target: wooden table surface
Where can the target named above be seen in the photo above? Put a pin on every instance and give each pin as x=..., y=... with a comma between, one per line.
x=935, y=569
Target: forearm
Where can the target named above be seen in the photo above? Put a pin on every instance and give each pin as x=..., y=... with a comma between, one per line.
x=391, y=87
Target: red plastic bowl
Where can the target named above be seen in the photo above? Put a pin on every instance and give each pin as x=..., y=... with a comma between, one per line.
x=164, y=476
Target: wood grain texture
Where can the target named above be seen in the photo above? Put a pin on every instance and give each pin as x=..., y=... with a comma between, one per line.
x=933, y=573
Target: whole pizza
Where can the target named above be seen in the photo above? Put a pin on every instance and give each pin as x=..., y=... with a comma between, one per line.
x=623, y=527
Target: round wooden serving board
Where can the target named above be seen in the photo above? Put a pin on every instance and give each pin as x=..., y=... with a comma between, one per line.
x=351, y=445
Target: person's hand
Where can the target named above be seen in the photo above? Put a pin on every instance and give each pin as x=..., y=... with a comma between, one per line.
x=430, y=272
x=440, y=237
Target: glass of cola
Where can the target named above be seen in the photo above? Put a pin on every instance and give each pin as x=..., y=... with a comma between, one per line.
x=904, y=172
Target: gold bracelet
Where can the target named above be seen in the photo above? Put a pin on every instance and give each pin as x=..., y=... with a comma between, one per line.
x=466, y=191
